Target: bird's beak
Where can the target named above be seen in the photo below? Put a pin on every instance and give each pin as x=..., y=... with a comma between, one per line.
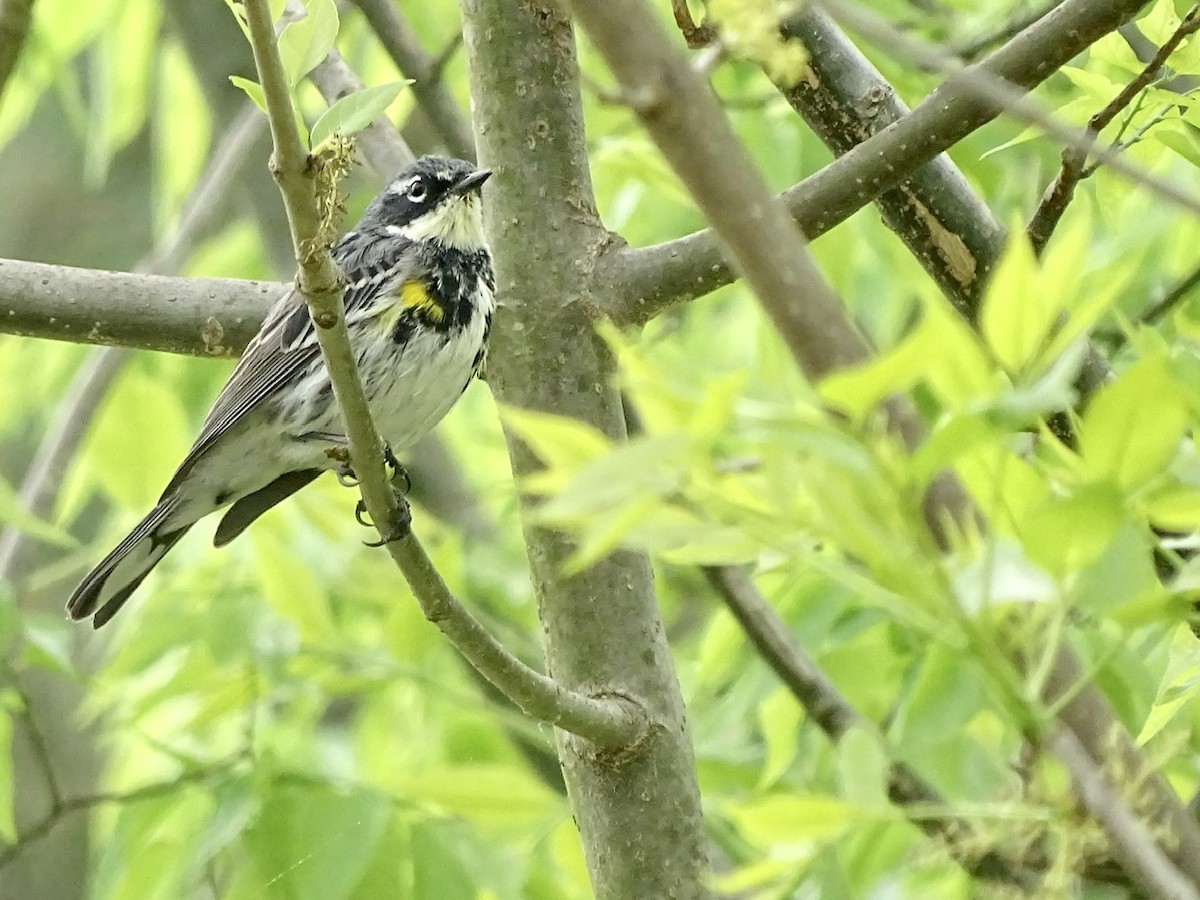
x=472, y=182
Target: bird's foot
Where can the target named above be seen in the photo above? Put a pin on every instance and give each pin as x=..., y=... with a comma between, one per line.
x=398, y=529
x=347, y=477
x=344, y=472
x=399, y=473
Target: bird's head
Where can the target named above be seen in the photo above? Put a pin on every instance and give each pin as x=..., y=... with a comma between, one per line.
x=433, y=199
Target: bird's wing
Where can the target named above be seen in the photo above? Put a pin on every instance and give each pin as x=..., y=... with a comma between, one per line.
x=286, y=344
x=284, y=347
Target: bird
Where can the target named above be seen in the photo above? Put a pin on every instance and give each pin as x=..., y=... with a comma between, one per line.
x=419, y=297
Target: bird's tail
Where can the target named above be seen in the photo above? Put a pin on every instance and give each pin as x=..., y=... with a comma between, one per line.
x=108, y=586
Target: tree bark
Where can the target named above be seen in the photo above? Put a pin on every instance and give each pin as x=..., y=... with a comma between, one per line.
x=603, y=634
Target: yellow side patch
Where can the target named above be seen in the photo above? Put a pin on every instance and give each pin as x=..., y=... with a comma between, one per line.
x=414, y=295
x=410, y=295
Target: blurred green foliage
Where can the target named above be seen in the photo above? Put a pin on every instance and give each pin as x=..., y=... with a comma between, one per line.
x=277, y=720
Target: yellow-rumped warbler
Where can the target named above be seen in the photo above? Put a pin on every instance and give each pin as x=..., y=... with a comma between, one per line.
x=419, y=302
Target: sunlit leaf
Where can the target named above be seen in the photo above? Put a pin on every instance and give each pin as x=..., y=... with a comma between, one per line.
x=795, y=818
x=305, y=43
x=354, y=112
x=1132, y=428
x=1018, y=310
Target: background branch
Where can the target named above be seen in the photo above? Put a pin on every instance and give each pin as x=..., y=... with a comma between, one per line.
x=652, y=278
x=1133, y=845
x=430, y=90
x=1008, y=99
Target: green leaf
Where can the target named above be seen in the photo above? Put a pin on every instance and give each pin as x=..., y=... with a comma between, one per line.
x=13, y=513
x=779, y=718
x=1066, y=534
x=947, y=694
x=560, y=442
x=863, y=767
x=356, y=111
x=48, y=643
x=491, y=793
x=253, y=90
x=304, y=44
x=138, y=438
x=289, y=588
x=1181, y=138
x=1018, y=310
x=314, y=842
x=790, y=819
x=181, y=109
x=1132, y=428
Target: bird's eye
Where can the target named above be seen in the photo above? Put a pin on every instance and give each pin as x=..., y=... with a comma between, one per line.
x=416, y=191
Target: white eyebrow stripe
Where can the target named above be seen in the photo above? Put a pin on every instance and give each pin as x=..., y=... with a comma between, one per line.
x=403, y=188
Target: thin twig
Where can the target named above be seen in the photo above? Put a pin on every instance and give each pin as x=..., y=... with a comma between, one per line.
x=1145, y=49
x=404, y=47
x=606, y=721
x=1074, y=158
x=1131, y=843
x=1171, y=299
x=46, y=824
x=37, y=740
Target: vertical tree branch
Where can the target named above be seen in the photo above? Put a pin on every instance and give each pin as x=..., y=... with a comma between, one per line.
x=602, y=629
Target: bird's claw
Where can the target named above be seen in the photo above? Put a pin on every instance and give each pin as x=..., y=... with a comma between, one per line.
x=399, y=473
x=399, y=527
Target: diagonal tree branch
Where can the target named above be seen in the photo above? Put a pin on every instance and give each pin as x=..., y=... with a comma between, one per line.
x=845, y=100
x=1132, y=843
x=430, y=90
x=607, y=721
x=652, y=278
x=834, y=715
x=937, y=215
x=1008, y=99
x=716, y=169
